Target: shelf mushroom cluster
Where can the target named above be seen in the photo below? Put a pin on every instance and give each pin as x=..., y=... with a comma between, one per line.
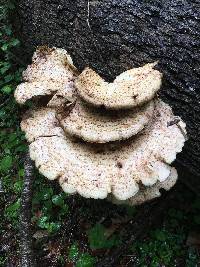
x=101, y=140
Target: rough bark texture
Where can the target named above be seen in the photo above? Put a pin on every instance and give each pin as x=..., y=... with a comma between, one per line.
x=114, y=35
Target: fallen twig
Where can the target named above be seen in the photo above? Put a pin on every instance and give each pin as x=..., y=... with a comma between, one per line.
x=27, y=259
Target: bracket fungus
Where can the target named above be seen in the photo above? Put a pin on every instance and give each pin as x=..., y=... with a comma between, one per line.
x=51, y=73
x=100, y=126
x=77, y=138
x=130, y=89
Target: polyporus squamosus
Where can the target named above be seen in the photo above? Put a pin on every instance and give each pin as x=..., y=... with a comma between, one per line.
x=99, y=126
x=130, y=89
x=124, y=155
x=149, y=192
x=51, y=73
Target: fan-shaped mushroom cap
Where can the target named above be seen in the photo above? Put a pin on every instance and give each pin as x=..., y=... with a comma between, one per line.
x=53, y=64
x=94, y=171
x=97, y=126
x=51, y=72
x=131, y=88
x=42, y=122
x=149, y=193
x=26, y=91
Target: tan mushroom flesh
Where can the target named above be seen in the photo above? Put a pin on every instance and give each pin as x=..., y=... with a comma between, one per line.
x=149, y=192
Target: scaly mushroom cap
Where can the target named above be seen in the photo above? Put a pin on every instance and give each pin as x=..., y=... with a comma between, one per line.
x=100, y=126
x=51, y=71
x=26, y=91
x=149, y=193
x=94, y=171
x=41, y=123
x=50, y=64
x=131, y=88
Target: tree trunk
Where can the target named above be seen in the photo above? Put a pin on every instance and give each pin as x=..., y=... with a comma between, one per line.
x=114, y=35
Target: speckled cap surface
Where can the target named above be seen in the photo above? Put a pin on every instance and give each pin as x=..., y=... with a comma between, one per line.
x=51, y=71
x=102, y=126
x=94, y=171
x=130, y=89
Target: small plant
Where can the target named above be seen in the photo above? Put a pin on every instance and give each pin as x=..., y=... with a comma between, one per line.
x=10, y=70
x=98, y=238
x=12, y=211
x=49, y=208
x=12, y=145
x=80, y=259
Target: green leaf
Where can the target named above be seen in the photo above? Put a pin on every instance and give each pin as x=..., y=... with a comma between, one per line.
x=47, y=207
x=21, y=173
x=7, y=89
x=53, y=227
x=18, y=186
x=73, y=252
x=14, y=42
x=8, y=78
x=6, y=163
x=12, y=211
x=5, y=47
x=58, y=200
x=85, y=260
x=5, y=67
x=43, y=222
x=8, y=30
x=10, y=5
x=97, y=238
x=45, y=194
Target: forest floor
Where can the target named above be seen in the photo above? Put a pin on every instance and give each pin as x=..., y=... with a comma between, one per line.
x=72, y=231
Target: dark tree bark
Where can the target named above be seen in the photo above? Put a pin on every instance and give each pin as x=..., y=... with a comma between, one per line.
x=114, y=35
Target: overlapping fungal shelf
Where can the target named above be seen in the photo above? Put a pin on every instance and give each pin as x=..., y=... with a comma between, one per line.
x=101, y=140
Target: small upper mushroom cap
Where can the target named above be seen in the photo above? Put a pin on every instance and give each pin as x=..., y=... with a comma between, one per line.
x=51, y=71
x=149, y=192
x=94, y=171
x=26, y=90
x=50, y=64
x=131, y=88
x=97, y=126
